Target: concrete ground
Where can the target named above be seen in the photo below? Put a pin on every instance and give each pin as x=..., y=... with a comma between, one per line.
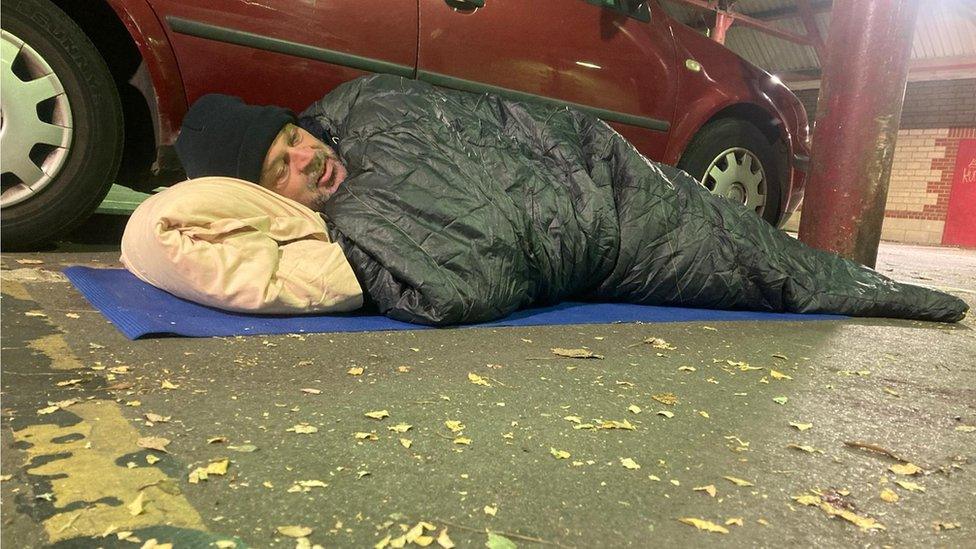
x=808, y=418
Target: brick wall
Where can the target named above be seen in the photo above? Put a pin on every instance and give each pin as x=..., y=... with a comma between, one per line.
x=936, y=116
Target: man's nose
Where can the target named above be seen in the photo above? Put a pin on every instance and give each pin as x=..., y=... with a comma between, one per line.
x=300, y=157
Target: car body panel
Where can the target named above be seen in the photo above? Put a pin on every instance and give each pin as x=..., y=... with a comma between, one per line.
x=570, y=50
x=382, y=30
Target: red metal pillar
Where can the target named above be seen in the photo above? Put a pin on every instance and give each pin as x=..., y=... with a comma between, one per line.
x=722, y=23
x=861, y=97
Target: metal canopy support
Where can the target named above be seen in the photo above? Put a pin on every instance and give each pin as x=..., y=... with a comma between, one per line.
x=722, y=23
x=861, y=97
x=751, y=22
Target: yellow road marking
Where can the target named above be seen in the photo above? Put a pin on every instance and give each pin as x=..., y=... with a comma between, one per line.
x=90, y=473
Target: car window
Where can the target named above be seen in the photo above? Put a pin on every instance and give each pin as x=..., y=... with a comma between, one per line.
x=631, y=8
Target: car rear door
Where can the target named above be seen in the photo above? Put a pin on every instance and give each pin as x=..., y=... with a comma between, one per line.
x=287, y=52
x=615, y=58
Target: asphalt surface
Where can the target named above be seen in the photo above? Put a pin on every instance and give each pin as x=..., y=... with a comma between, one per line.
x=868, y=394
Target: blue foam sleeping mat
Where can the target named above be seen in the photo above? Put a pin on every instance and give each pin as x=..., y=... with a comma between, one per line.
x=141, y=310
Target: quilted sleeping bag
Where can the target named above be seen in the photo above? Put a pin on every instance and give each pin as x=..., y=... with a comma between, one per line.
x=464, y=207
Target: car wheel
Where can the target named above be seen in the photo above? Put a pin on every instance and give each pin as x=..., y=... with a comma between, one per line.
x=732, y=158
x=60, y=124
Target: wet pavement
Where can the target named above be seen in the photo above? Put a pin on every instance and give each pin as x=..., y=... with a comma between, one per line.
x=773, y=432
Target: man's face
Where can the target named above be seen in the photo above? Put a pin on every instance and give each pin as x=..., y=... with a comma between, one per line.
x=302, y=168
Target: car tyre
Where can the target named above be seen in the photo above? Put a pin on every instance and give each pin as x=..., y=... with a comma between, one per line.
x=61, y=126
x=732, y=158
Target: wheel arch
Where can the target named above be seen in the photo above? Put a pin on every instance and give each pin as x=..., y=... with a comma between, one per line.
x=135, y=47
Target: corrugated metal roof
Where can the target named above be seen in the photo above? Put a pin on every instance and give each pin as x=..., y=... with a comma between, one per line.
x=945, y=29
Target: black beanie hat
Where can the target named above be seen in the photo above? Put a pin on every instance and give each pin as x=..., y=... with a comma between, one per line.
x=222, y=135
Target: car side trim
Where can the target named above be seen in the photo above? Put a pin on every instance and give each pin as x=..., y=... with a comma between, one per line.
x=610, y=116
x=277, y=45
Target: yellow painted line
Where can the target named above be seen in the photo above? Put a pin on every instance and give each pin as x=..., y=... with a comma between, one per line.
x=89, y=473
x=14, y=289
x=56, y=348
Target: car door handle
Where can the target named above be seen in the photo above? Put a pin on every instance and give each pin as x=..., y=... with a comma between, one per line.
x=465, y=5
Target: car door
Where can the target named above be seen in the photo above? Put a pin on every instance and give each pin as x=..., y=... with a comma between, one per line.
x=614, y=58
x=287, y=52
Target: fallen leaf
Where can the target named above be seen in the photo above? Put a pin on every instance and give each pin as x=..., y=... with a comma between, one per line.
x=311, y=391
x=666, y=414
x=216, y=440
x=655, y=478
x=906, y=469
x=801, y=426
x=294, y=531
x=574, y=419
x=559, y=454
x=166, y=384
x=865, y=523
x=738, y=481
x=687, y=369
x=736, y=521
x=405, y=442
x=303, y=429
x=490, y=510
x=151, y=459
x=498, y=541
x=462, y=440
x=5, y=478
x=910, y=486
x=478, y=380
x=365, y=436
x=454, y=425
x=355, y=371
x=246, y=448
x=218, y=467
x=614, y=424
x=889, y=495
x=703, y=414
x=151, y=543
x=444, y=541
x=891, y=391
x=629, y=463
x=780, y=400
x=30, y=261
x=575, y=353
x=940, y=525
x=705, y=525
x=778, y=375
x=136, y=507
x=225, y=544
x=804, y=448
x=133, y=403
x=710, y=490
x=68, y=382
x=659, y=343
x=966, y=428
x=400, y=428
x=156, y=418
x=668, y=399
x=154, y=443
x=379, y=414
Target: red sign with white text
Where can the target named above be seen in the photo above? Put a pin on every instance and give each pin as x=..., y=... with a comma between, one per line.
x=960, y=225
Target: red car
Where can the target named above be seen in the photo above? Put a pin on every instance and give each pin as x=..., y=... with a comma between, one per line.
x=94, y=92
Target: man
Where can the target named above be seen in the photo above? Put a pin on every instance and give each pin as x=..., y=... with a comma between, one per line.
x=454, y=207
x=222, y=136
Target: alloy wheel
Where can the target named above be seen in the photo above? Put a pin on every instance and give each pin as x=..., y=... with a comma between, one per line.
x=35, y=121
